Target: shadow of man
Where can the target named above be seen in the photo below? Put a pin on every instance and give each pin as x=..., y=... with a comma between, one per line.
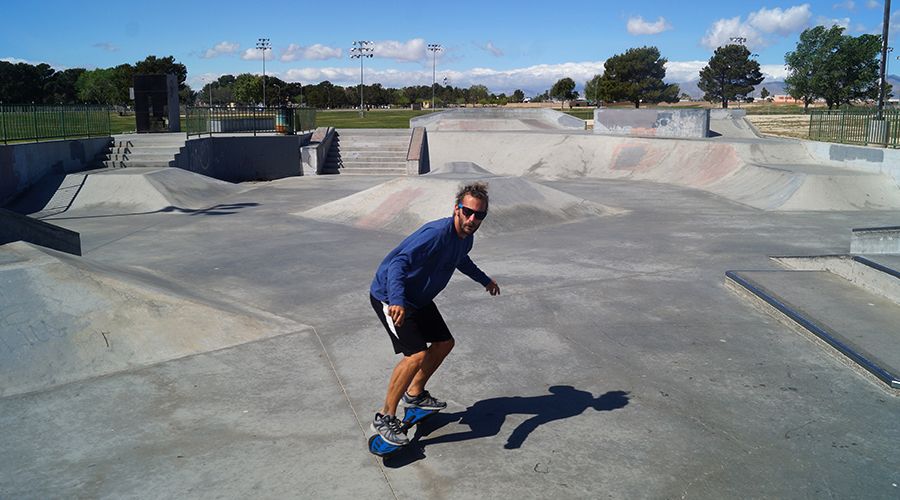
x=485, y=418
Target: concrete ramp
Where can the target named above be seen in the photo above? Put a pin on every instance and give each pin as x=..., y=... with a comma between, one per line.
x=65, y=318
x=731, y=123
x=498, y=119
x=403, y=205
x=123, y=191
x=764, y=174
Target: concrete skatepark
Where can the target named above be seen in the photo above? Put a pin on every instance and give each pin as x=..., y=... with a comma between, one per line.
x=217, y=341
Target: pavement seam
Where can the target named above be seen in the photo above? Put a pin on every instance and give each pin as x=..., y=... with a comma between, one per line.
x=355, y=415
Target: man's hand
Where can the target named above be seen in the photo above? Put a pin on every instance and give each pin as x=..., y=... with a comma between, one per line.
x=398, y=314
x=493, y=288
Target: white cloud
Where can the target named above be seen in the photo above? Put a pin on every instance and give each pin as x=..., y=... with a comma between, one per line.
x=221, y=48
x=872, y=4
x=13, y=60
x=721, y=32
x=777, y=22
x=637, y=26
x=773, y=72
x=489, y=47
x=828, y=22
x=848, y=5
x=686, y=71
x=782, y=23
x=317, y=52
x=411, y=51
x=105, y=46
x=255, y=54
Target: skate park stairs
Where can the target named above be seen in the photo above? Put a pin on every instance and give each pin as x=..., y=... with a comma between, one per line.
x=141, y=150
x=368, y=151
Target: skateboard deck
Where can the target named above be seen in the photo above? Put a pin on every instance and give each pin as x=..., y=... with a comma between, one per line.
x=412, y=416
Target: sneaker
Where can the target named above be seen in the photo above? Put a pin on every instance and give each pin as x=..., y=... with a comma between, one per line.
x=423, y=401
x=390, y=429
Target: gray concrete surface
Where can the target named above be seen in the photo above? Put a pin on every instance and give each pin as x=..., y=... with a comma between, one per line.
x=659, y=122
x=615, y=364
x=25, y=164
x=498, y=119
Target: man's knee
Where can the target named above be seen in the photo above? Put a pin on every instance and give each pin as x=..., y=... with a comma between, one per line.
x=415, y=360
x=444, y=347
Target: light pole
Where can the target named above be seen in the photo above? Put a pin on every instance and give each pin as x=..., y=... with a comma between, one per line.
x=886, y=25
x=361, y=50
x=434, y=48
x=264, y=45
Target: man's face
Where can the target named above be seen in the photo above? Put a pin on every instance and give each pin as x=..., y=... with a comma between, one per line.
x=468, y=225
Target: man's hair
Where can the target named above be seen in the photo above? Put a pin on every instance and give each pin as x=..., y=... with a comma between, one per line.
x=475, y=190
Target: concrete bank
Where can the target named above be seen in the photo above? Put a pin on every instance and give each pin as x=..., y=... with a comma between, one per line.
x=765, y=174
x=23, y=165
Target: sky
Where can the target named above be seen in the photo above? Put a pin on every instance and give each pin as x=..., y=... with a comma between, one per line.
x=504, y=45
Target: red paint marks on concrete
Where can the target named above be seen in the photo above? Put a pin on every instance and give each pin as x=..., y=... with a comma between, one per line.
x=390, y=207
x=707, y=165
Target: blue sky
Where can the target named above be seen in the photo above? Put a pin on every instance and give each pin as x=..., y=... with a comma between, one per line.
x=504, y=45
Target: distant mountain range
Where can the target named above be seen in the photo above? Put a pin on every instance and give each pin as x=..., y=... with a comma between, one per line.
x=774, y=88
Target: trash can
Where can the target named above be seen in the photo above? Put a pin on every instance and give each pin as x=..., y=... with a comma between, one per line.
x=284, y=121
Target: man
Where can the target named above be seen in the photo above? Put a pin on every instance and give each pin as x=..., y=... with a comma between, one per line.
x=402, y=293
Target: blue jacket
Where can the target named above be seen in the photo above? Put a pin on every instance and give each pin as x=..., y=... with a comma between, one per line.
x=421, y=266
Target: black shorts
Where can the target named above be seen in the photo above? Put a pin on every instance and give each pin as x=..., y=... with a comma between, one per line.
x=420, y=327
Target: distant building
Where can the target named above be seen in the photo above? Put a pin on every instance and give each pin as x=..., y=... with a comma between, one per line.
x=786, y=99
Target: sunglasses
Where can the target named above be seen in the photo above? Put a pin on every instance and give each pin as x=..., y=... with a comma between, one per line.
x=467, y=212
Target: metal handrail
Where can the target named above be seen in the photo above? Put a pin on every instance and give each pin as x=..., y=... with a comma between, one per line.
x=36, y=122
x=200, y=120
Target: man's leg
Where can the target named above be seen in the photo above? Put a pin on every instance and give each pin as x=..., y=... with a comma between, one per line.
x=413, y=372
x=434, y=356
x=403, y=375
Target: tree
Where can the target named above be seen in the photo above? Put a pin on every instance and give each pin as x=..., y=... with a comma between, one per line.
x=23, y=83
x=730, y=75
x=517, y=96
x=635, y=76
x=564, y=90
x=592, y=89
x=122, y=81
x=816, y=45
x=764, y=94
x=478, y=93
x=836, y=67
x=247, y=89
x=851, y=73
x=61, y=88
x=97, y=86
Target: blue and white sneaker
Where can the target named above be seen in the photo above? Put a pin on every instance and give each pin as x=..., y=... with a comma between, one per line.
x=391, y=429
x=424, y=401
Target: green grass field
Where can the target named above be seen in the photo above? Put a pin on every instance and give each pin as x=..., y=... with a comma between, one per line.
x=399, y=118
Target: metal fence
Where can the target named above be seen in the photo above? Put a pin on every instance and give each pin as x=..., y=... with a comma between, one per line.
x=288, y=121
x=35, y=122
x=865, y=127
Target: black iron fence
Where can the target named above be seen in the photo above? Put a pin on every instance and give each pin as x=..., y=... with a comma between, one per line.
x=857, y=126
x=288, y=121
x=36, y=122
